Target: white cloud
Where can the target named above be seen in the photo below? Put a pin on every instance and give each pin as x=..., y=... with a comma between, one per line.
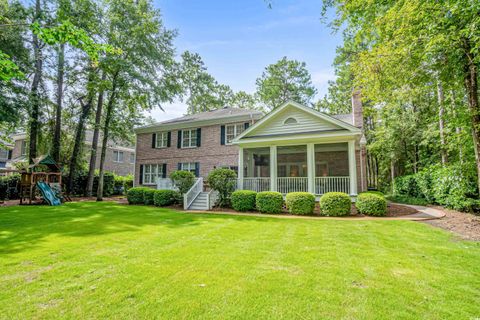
x=320, y=80
x=172, y=110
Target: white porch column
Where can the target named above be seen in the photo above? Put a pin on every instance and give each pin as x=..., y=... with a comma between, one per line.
x=311, y=167
x=240, y=168
x=352, y=167
x=273, y=168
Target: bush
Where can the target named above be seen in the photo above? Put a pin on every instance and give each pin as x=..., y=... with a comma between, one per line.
x=300, y=202
x=148, y=196
x=183, y=180
x=122, y=184
x=80, y=183
x=243, y=200
x=269, y=202
x=9, y=187
x=135, y=195
x=224, y=181
x=371, y=204
x=378, y=193
x=406, y=185
x=166, y=197
x=335, y=204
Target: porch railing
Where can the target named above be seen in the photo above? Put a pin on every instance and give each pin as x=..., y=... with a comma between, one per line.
x=165, y=183
x=256, y=184
x=332, y=184
x=292, y=184
x=192, y=193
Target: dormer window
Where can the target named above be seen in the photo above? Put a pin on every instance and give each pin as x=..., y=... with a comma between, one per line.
x=289, y=121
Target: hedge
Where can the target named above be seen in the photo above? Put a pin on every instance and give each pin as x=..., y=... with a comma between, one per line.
x=269, y=202
x=148, y=196
x=453, y=186
x=9, y=187
x=335, y=204
x=300, y=202
x=135, y=195
x=122, y=184
x=224, y=182
x=165, y=197
x=243, y=200
x=80, y=183
x=371, y=204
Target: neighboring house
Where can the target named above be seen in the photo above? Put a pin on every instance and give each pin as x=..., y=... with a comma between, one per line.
x=5, y=155
x=292, y=148
x=119, y=159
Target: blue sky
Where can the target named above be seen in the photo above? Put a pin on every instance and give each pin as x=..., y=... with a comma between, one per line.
x=238, y=39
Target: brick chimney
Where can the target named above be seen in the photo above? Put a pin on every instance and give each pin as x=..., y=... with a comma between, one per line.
x=357, y=108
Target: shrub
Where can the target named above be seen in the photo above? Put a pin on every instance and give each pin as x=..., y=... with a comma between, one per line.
x=371, y=204
x=166, y=197
x=300, y=202
x=378, y=193
x=243, y=200
x=223, y=181
x=335, y=204
x=183, y=180
x=406, y=185
x=135, y=195
x=80, y=183
x=122, y=184
x=148, y=196
x=9, y=187
x=269, y=202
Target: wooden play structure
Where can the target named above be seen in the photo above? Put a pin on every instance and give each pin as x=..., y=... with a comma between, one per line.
x=44, y=169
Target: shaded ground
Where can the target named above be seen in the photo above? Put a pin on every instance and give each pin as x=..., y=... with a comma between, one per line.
x=464, y=225
x=88, y=260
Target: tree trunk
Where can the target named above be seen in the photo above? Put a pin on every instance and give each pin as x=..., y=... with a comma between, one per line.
x=108, y=117
x=80, y=131
x=458, y=130
x=35, y=99
x=96, y=131
x=58, y=107
x=471, y=86
x=441, y=121
x=392, y=172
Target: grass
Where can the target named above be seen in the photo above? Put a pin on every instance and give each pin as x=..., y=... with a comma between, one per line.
x=408, y=200
x=103, y=260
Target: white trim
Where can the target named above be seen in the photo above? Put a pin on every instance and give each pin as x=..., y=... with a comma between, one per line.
x=273, y=168
x=311, y=111
x=327, y=137
x=311, y=167
x=190, y=138
x=162, y=133
x=352, y=167
x=240, y=168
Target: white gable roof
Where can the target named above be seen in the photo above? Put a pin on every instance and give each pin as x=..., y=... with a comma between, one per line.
x=293, y=118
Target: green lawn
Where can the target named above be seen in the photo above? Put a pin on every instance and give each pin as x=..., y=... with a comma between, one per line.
x=89, y=260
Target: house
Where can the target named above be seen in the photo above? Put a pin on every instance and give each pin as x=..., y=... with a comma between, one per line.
x=5, y=155
x=292, y=148
x=119, y=158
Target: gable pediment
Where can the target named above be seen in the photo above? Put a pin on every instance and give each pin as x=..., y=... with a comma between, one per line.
x=292, y=119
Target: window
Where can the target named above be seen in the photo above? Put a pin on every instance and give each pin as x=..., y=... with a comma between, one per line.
x=23, y=150
x=132, y=157
x=3, y=154
x=188, y=166
x=3, y=164
x=189, y=138
x=117, y=156
x=232, y=131
x=290, y=121
x=151, y=172
x=162, y=140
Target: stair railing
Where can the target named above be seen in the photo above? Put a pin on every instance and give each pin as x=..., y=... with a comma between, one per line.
x=191, y=194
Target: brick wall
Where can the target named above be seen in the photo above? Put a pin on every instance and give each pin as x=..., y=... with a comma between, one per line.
x=210, y=154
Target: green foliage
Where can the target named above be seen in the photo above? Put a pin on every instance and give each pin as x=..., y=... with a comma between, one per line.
x=371, y=204
x=183, y=180
x=408, y=200
x=269, y=202
x=335, y=204
x=224, y=181
x=122, y=184
x=378, y=193
x=285, y=80
x=80, y=183
x=135, y=195
x=300, y=202
x=453, y=186
x=9, y=187
x=243, y=200
x=148, y=194
x=166, y=197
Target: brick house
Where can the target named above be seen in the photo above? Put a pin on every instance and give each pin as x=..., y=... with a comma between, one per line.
x=292, y=148
x=119, y=158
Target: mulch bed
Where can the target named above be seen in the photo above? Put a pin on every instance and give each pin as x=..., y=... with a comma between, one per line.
x=464, y=225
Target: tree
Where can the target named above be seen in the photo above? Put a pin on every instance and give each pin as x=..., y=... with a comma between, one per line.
x=285, y=80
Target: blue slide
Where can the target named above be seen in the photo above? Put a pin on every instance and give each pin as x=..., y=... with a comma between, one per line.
x=48, y=194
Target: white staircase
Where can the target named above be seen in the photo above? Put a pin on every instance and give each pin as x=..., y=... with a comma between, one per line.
x=200, y=202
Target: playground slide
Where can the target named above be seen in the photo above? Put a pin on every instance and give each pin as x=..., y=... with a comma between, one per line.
x=48, y=194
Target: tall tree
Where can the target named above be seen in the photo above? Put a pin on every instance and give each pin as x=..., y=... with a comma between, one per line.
x=285, y=80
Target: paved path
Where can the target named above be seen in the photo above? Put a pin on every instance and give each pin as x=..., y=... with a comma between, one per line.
x=424, y=213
